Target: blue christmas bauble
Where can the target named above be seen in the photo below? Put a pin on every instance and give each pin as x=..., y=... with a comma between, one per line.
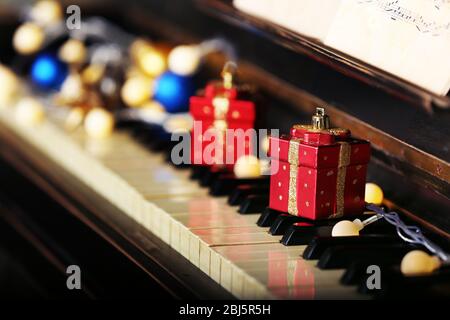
x=48, y=72
x=173, y=91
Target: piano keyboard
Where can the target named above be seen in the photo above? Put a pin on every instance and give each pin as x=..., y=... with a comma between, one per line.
x=247, y=260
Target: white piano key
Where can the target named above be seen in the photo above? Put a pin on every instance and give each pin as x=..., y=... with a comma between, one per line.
x=227, y=246
x=281, y=271
x=193, y=204
x=222, y=220
x=175, y=235
x=225, y=237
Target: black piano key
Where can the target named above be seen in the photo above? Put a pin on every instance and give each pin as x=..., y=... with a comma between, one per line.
x=168, y=159
x=318, y=245
x=378, y=227
x=209, y=177
x=283, y=222
x=394, y=285
x=241, y=192
x=357, y=271
x=126, y=125
x=158, y=145
x=168, y=156
x=226, y=183
x=153, y=137
x=268, y=217
x=198, y=172
x=303, y=233
x=144, y=131
x=254, y=204
x=339, y=257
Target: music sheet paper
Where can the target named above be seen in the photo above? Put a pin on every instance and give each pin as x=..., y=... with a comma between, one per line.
x=311, y=18
x=407, y=38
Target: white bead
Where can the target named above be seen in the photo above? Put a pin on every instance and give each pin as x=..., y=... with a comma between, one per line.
x=418, y=262
x=184, y=60
x=46, y=12
x=247, y=167
x=9, y=86
x=29, y=111
x=345, y=228
x=92, y=73
x=28, y=38
x=73, y=51
x=99, y=123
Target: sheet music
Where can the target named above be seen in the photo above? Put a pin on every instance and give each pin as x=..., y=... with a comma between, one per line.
x=311, y=18
x=408, y=38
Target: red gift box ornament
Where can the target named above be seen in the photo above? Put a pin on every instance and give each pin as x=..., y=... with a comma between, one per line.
x=219, y=113
x=318, y=172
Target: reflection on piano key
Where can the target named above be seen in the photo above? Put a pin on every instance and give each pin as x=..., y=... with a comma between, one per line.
x=279, y=271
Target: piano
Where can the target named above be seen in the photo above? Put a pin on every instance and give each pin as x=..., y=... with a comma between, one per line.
x=139, y=226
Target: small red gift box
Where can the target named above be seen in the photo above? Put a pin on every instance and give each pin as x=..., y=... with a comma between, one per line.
x=218, y=112
x=318, y=173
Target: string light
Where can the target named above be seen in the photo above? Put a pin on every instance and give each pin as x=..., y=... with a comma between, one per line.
x=29, y=111
x=92, y=74
x=153, y=111
x=373, y=194
x=247, y=166
x=184, y=60
x=99, y=123
x=74, y=118
x=46, y=12
x=178, y=123
x=418, y=262
x=10, y=86
x=136, y=91
x=72, y=89
x=73, y=51
x=151, y=61
x=347, y=228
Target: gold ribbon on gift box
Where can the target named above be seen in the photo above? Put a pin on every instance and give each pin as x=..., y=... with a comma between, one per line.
x=344, y=161
x=294, y=160
x=320, y=123
x=221, y=105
